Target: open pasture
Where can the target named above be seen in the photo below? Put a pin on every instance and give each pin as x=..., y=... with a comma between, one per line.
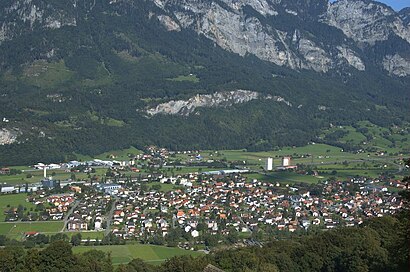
x=125, y=253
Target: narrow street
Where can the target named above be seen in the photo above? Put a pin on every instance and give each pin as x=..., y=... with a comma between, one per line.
x=76, y=203
x=109, y=216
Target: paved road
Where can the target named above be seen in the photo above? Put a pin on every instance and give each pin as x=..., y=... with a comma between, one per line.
x=76, y=203
x=110, y=215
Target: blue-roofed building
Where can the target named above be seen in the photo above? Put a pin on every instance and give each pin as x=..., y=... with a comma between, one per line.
x=109, y=188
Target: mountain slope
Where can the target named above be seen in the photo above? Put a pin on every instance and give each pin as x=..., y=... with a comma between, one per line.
x=296, y=34
x=80, y=75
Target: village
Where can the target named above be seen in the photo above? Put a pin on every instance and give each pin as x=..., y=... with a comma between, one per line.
x=199, y=207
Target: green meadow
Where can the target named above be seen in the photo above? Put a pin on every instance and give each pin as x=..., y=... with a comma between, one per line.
x=16, y=230
x=125, y=253
x=14, y=200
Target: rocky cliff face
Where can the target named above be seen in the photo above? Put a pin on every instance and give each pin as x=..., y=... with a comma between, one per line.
x=9, y=136
x=274, y=30
x=243, y=28
x=405, y=16
x=366, y=21
x=22, y=16
x=299, y=34
x=215, y=100
x=397, y=65
x=219, y=99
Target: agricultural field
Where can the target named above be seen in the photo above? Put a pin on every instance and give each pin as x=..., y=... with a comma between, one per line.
x=125, y=253
x=13, y=200
x=322, y=157
x=313, y=154
x=16, y=230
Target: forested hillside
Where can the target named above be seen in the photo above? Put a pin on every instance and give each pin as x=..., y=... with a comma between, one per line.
x=78, y=78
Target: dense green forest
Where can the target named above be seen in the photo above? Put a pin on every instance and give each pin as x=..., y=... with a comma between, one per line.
x=83, y=88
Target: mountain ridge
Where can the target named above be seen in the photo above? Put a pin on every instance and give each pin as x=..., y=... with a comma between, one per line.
x=77, y=76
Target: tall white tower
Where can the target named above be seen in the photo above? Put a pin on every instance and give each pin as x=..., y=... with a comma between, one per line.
x=286, y=161
x=269, y=164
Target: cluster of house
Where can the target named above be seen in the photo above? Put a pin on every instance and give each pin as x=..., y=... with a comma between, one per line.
x=220, y=203
x=217, y=203
x=58, y=205
x=89, y=213
x=4, y=171
x=55, y=206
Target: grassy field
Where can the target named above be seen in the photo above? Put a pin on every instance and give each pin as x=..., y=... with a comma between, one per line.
x=187, y=170
x=149, y=253
x=318, y=153
x=13, y=201
x=37, y=176
x=189, y=78
x=164, y=186
x=391, y=140
x=284, y=177
x=85, y=234
x=16, y=230
x=119, y=154
x=320, y=156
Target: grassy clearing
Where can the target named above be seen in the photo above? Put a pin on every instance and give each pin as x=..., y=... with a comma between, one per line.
x=47, y=75
x=14, y=201
x=105, y=120
x=393, y=140
x=119, y=154
x=101, y=77
x=188, y=78
x=164, y=186
x=353, y=137
x=149, y=253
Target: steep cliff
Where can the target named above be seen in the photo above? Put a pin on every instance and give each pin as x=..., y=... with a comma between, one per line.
x=296, y=34
x=292, y=34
